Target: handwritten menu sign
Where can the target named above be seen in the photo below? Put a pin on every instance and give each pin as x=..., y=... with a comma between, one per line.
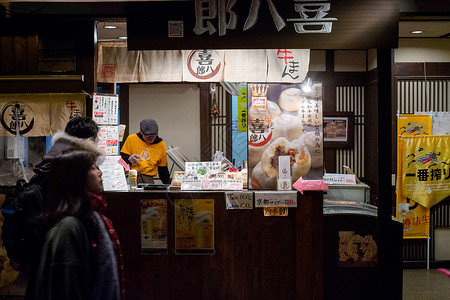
x=239, y=200
x=202, y=168
x=273, y=199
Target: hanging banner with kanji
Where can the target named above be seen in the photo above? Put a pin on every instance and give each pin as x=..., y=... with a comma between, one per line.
x=287, y=65
x=38, y=114
x=242, y=109
x=426, y=169
x=415, y=217
x=117, y=64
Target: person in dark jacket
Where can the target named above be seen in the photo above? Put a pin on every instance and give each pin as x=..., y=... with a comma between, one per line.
x=80, y=132
x=79, y=260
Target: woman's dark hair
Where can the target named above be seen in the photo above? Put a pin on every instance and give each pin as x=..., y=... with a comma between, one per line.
x=82, y=128
x=67, y=194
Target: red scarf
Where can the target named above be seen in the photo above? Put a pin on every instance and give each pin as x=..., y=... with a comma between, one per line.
x=99, y=205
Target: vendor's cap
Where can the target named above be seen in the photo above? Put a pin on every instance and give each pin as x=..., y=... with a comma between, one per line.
x=149, y=127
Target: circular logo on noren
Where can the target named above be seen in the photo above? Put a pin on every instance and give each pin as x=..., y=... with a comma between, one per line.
x=15, y=114
x=204, y=64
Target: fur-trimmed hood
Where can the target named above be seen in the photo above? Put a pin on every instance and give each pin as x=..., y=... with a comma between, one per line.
x=61, y=141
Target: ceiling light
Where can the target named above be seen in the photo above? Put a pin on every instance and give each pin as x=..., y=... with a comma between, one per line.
x=122, y=37
x=417, y=31
x=307, y=86
x=110, y=27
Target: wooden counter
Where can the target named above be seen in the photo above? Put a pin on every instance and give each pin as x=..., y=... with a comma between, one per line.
x=255, y=257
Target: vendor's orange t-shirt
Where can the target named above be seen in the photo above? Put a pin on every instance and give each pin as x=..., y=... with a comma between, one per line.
x=152, y=155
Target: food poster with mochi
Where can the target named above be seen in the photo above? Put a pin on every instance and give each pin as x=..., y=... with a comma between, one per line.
x=283, y=120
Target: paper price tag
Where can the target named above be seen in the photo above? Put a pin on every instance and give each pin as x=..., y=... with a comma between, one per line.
x=242, y=200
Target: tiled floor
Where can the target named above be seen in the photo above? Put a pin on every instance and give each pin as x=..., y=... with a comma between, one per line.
x=422, y=284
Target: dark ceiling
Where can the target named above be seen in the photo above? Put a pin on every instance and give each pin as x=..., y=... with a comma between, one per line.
x=431, y=16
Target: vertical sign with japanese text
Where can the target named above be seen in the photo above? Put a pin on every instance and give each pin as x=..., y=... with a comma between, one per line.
x=284, y=120
x=194, y=226
x=105, y=110
x=415, y=217
x=426, y=169
x=109, y=139
x=242, y=110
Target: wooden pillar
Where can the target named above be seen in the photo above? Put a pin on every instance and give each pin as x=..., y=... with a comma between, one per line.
x=329, y=106
x=205, y=123
x=385, y=61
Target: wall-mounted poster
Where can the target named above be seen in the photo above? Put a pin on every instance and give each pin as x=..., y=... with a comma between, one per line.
x=153, y=226
x=283, y=120
x=109, y=139
x=338, y=130
x=194, y=226
x=105, y=109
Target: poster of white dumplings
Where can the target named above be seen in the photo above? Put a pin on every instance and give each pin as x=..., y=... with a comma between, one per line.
x=283, y=120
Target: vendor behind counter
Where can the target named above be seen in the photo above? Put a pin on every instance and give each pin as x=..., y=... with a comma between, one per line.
x=145, y=152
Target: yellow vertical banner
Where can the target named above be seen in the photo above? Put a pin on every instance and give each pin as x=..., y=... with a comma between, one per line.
x=242, y=110
x=415, y=217
x=194, y=226
x=426, y=169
